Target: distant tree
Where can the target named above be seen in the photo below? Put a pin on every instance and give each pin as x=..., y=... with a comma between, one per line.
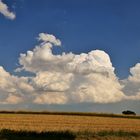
x=128, y=112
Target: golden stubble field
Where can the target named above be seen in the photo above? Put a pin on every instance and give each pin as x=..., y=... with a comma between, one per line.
x=39, y=123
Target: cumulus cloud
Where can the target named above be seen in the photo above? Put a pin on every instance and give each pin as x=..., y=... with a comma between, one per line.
x=96, y=88
x=42, y=59
x=135, y=73
x=5, y=11
x=66, y=78
x=12, y=99
x=69, y=77
x=51, y=98
x=132, y=83
x=52, y=81
x=49, y=38
x=13, y=89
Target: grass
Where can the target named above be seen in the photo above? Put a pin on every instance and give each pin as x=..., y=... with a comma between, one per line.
x=65, y=135
x=33, y=135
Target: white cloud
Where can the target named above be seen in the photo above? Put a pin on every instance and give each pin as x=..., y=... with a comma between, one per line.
x=135, y=73
x=49, y=38
x=14, y=89
x=52, y=81
x=67, y=78
x=96, y=88
x=42, y=59
x=12, y=99
x=132, y=83
x=5, y=11
x=51, y=98
x=84, y=77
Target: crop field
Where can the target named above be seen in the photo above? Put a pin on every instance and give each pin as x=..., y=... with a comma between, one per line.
x=88, y=126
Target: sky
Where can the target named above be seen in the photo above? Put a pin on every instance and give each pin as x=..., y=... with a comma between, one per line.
x=61, y=55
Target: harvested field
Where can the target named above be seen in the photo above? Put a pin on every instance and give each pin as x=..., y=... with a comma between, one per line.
x=38, y=122
x=79, y=127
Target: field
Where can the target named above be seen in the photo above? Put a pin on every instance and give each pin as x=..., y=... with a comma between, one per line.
x=68, y=126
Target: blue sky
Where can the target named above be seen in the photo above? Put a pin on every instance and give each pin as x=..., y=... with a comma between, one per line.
x=82, y=26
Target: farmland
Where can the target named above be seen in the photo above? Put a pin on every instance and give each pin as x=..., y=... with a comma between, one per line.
x=72, y=125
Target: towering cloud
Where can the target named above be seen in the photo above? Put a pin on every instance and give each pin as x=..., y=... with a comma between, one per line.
x=5, y=11
x=69, y=77
x=66, y=78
